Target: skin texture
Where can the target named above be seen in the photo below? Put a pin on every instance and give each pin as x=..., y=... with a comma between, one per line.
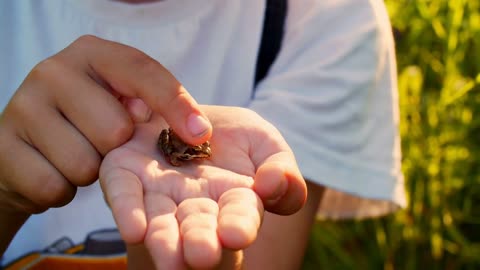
x=269, y=251
x=70, y=111
x=189, y=216
x=109, y=104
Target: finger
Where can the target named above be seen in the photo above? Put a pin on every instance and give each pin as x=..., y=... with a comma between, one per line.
x=163, y=236
x=26, y=172
x=138, y=110
x=278, y=180
x=198, y=228
x=60, y=143
x=134, y=74
x=280, y=184
x=90, y=108
x=124, y=194
x=240, y=216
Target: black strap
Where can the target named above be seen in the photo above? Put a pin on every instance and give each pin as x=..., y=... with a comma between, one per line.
x=272, y=35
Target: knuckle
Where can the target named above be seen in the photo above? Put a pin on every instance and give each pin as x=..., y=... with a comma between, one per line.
x=20, y=105
x=141, y=61
x=47, y=69
x=22, y=109
x=38, y=85
x=85, y=41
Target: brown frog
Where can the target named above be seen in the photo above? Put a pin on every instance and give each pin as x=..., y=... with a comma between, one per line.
x=176, y=151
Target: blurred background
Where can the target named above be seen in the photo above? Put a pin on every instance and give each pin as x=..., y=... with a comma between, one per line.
x=438, y=54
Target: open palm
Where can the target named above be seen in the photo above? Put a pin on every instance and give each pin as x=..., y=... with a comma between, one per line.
x=186, y=215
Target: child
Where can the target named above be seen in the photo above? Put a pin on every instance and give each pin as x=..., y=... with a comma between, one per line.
x=117, y=72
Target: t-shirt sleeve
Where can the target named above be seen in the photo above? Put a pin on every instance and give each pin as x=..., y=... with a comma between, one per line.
x=332, y=92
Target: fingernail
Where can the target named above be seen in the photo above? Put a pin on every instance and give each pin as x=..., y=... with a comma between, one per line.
x=197, y=125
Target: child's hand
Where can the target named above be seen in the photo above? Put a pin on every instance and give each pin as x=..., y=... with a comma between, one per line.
x=186, y=215
x=75, y=107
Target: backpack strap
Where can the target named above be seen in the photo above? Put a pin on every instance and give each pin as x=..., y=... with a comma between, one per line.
x=272, y=35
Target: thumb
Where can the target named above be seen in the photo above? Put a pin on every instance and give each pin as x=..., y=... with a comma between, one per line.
x=280, y=185
x=133, y=74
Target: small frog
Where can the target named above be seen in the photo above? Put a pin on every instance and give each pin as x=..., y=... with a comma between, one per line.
x=176, y=151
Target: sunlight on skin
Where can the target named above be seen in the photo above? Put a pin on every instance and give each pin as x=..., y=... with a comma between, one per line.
x=188, y=214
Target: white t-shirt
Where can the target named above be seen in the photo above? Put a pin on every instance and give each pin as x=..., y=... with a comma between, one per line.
x=331, y=91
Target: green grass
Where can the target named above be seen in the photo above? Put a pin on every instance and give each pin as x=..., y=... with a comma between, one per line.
x=438, y=49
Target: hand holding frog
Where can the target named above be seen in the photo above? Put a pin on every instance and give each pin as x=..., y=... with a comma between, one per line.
x=186, y=215
x=70, y=111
